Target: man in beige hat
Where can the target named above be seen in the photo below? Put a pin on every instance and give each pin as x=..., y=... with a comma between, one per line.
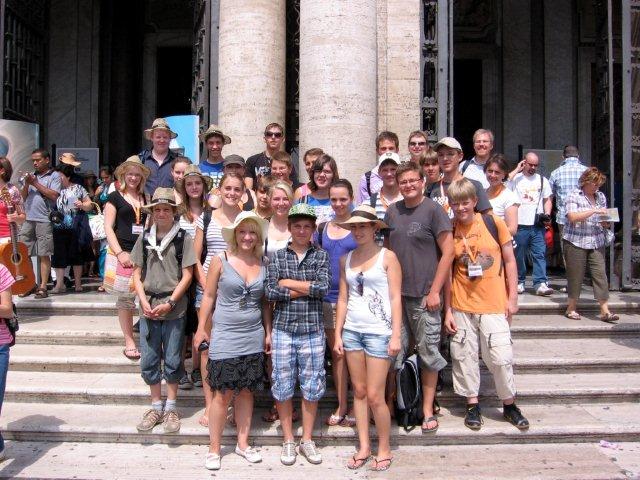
x=158, y=159
x=213, y=164
x=259, y=165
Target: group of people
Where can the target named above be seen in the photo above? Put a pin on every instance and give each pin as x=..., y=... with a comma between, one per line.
x=261, y=273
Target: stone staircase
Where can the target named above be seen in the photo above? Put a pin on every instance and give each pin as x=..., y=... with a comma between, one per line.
x=68, y=381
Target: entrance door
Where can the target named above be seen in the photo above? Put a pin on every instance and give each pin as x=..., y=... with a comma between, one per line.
x=467, y=108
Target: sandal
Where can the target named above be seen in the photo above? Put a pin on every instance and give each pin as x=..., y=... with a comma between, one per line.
x=377, y=468
x=334, y=420
x=609, y=317
x=270, y=415
x=357, y=463
x=572, y=315
x=348, y=421
x=101, y=289
x=131, y=353
x=426, y=429
x=41, y=293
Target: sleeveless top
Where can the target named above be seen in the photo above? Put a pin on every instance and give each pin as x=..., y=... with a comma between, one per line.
x=368, y=310
x=237, y=318
x=336, y=248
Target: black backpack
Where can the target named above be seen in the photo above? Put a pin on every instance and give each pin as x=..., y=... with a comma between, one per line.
x=178, y=244
x=408, y=402
x=206, y=220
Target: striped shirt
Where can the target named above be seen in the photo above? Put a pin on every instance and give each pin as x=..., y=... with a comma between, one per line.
x=215, y=242
x=6, y=280
x=564, y=180
x=587, y=234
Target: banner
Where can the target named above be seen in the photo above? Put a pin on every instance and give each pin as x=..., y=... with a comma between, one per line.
x=186, y=143
x=17, y=141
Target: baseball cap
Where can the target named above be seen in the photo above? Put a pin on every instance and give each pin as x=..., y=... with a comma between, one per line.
x=389, y=157
x=233, y=160
x=448, y=142
x=302, y=210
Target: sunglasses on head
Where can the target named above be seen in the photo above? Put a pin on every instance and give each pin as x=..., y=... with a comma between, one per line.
x=273, y=134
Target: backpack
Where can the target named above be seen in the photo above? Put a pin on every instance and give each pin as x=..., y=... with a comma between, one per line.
x=321, y=228
x=206, y=220
x=465, y=165
x=178, y=244
x=367, y=177
x=408, y=402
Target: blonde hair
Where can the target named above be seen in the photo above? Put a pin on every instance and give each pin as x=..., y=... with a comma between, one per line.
x=461, y=190
x=123, y=184
x=592, y=175
x=430, y=157
x=253, y=227
x=285, y=187
x=282, y=157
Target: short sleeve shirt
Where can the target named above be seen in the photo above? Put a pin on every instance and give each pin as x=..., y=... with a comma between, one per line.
x=505, y=199
x=413, y=239
x=438, y=193
x=474, y=243
x=36, y=206
x=213, y=171
x=163, y=275
x=528, y=190
x=6, y=280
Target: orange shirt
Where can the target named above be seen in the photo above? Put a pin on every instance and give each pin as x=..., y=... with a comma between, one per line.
x=488, y=293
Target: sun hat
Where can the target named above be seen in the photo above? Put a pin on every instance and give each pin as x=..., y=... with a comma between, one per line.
x=233, y=160
x=389, y=157
x=194, y=171
x=229, y=232
x=302, y=210
x=69, y=159
x=159, y=123
x=448, y=142
x=214, y=130
x=162, y=196
x=132, y=161
x=364, y=214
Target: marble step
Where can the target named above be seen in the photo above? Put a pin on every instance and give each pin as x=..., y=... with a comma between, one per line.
x=549, y=354
x=129, y=388
x=114, y=423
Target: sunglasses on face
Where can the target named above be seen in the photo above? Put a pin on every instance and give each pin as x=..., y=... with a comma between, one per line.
x=273, y=134
x=417, y=144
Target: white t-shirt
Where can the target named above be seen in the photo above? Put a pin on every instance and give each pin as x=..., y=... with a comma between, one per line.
x=475, y=171
x=504, y=200
x=528, y=191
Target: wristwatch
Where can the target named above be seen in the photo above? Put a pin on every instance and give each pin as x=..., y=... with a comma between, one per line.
x=171, y=303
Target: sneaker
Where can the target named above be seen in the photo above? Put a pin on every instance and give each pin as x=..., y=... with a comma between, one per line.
x=196, y=377
x=250, y=454
x=150, y=419
x=171, y=422
x=310, y=452
x=513, y=415
x=473, y=417
x=544, y=290
x=185, y=382
x=288, y=454
x=521, y=288
x=212, y=462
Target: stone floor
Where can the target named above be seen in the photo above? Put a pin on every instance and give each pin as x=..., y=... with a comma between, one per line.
x=497, y=462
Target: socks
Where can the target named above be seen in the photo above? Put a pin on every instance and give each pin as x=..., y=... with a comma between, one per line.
x=157, y=406
x=170, y=405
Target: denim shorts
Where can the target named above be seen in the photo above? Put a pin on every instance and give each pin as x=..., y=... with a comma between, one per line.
x=374, y=345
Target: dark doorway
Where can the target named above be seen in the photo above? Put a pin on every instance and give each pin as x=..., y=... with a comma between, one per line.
x=174, y=81
x=467, y=101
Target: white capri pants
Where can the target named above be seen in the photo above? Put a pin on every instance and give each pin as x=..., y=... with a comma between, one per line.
x=491, y=333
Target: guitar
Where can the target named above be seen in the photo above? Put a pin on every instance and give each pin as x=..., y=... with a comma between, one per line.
x=15, y=255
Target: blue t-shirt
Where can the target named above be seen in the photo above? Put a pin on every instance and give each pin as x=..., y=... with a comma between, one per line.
x=336, y=249
x=322, y=207
x=213, y=170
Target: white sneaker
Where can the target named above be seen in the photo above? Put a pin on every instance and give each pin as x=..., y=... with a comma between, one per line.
x=544, y=290
x=521, y=288
x=250, y=454
x=310, y=452
x=288, y=454
x=212, y=462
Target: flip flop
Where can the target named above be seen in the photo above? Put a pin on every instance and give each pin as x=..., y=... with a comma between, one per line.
x=334, y=420
x=572, y=315
x=426, y=421
x=348, y=421
x=355, y=465
x=377, y=468
x=127, y=352
x=609, y=317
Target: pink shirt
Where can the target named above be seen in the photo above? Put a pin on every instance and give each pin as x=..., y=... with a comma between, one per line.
x=6, y=280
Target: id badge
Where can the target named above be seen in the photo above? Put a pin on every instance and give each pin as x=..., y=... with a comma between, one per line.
x=137, y=229
x=475, y=270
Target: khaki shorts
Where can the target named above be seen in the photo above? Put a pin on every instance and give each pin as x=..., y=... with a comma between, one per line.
x=329, y=315
x=126, y=301
x=38, y=237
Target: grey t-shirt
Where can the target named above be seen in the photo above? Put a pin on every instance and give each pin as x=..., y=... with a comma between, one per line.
x=162, y=276
x=435, y=193
x=36, y=206
x=413, y=239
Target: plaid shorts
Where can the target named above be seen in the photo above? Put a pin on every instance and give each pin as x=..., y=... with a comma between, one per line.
x=297, y=356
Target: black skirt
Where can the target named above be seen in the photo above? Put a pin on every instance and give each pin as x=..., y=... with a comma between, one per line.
x=238, y=373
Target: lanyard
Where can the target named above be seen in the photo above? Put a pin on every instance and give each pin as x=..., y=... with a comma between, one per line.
x=466, y=245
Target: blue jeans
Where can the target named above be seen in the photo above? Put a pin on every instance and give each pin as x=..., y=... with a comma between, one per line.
x=4, y=366
x=161, y=343
x=530, y=239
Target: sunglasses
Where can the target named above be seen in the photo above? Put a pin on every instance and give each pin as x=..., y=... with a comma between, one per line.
x=360, y=283
x=273, y=134
x=417, y=144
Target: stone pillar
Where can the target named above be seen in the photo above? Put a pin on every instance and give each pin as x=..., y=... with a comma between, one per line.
x=338, y=96
x=251, y=71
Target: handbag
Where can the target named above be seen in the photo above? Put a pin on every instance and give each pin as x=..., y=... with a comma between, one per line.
x=118, y=279
x=541, y=219
x=96, y=223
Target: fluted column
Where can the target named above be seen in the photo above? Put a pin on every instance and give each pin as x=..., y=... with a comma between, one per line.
x=338, y=98
x=251, y=71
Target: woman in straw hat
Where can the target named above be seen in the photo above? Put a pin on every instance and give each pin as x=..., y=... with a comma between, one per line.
x=240, y=337
x=193, y=188
x=368, y=319
x=124, y=221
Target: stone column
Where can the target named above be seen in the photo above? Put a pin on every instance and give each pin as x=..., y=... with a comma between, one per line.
x=338, y=97
x=251, y=71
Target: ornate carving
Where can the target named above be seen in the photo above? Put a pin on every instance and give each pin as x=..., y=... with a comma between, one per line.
x=200, y=61
x=292, y=120
x=430, y=33
x=474, y=19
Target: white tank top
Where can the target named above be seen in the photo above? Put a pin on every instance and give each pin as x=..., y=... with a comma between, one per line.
x=369, y=308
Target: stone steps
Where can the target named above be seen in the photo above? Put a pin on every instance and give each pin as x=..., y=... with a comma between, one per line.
x=114, y=423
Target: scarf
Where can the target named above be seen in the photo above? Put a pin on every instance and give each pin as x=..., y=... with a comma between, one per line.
x=165, y=241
